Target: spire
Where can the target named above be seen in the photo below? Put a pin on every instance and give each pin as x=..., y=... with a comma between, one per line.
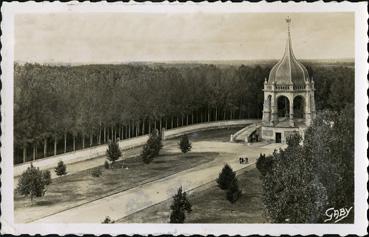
x=288, y=20
x=288, y=51
x=288, y=70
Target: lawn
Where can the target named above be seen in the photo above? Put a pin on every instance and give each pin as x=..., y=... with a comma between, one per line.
x=79, y=188
x=209, y=204
x=220, y=135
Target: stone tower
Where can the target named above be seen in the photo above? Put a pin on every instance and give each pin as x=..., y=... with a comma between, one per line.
x=289, y=105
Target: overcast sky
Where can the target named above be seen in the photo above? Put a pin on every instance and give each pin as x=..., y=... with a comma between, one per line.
x=123, y=37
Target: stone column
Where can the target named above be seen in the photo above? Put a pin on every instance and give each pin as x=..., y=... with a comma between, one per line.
x=274, y=108
x=307, y=109
x=266, y=111
x=292, y=124
x=313, y=111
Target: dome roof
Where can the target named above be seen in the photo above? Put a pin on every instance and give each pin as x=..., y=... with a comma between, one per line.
x=288, y=70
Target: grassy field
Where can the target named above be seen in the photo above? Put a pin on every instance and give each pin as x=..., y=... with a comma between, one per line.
x=79, y=188
x=76, y=189
x=248, y=209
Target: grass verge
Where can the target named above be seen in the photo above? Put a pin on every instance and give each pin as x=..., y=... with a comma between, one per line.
x=209, y=204
x=79, y=188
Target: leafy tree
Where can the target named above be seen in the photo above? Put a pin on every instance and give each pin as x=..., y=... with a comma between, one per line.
x=179, y=206
x=226, y=176
x=308, y=178
x=264, y=164
x=113, y=152
x=233, y=191
x=152, y=147
x=185, y=144
x=32, y=183
x=330, y=143
x=66, y=108
x=61, y=169
x=292, y=192
x=46, y=175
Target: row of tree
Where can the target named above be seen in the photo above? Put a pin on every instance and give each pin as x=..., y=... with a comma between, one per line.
x=59, y=109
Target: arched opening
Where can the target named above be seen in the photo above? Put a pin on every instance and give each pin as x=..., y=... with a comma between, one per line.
x=299, y=107
x=283, y=108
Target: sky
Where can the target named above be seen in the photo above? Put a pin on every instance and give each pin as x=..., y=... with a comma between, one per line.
x=130, y=37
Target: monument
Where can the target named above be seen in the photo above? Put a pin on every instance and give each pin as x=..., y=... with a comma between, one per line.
x=289, y=105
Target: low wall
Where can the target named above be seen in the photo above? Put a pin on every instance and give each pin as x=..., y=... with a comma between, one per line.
x=90, y=153
x=244, y=133
x=172, y=133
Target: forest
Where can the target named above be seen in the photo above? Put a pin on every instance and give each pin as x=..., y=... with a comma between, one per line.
x=59, y=109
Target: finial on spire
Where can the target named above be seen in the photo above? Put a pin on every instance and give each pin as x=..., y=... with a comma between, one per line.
x=288, y=20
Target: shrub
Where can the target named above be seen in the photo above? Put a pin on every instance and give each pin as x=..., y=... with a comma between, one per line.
x=185, y=144
x=32, y=183
x=152, y=147
x=264, y=164
x=113, y=152
x=106, y=165
x=107, y=220
x=96, y=172
x=46, y=175
x=179, y=206
x=233, y=192
x=61, y=169
x=226, y=176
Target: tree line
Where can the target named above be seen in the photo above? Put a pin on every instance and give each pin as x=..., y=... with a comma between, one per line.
x=59, y=109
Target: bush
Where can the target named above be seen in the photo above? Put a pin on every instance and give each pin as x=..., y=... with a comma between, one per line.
x=32, y=183
x=46, y=175
x=233, y=192
x=113, y=152
x=152, y=147
x=226, y=177
x=264, y=164
x=96, y=172
x=179, y=206
x=106, y=165
x=61, y=169
x=185, y=144
x=107, y=220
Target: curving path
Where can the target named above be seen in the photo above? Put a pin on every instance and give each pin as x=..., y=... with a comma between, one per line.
x=125, y=203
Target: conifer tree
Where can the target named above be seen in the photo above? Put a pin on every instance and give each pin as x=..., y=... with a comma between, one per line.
x=233, y=192
x=32, y=183
x=185, y=144
x=46, y=175
x=152, y=147
x=179, y=206
x=61, y=169
x=113, y=152
x=264, y=164
x=226, y=176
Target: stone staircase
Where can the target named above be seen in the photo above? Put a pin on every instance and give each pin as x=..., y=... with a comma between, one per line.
x=244, y=134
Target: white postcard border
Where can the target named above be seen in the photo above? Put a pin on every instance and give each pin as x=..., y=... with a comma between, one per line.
x=361, y=114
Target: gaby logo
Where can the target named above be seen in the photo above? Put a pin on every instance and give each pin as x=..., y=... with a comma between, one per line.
x=337, y=214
